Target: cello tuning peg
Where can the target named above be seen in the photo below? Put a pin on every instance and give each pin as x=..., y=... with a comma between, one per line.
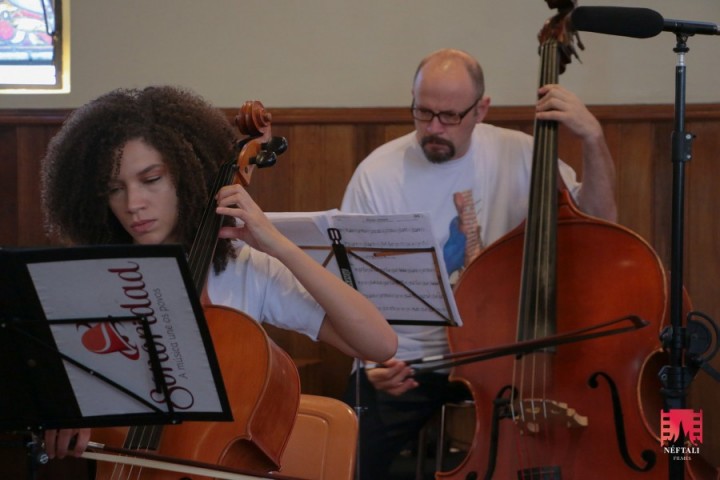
x=265, y=158
x=278, y=145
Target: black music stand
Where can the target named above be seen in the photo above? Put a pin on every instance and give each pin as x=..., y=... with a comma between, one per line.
x=342, y=257
x=103, y=336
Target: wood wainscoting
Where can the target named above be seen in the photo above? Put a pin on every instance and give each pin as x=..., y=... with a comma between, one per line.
x=325, y=146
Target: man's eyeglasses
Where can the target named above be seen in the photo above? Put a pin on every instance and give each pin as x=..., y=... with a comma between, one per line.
x=446, y=118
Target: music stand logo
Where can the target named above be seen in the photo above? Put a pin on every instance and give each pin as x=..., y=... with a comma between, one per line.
x=104, y=338
x=681, y=432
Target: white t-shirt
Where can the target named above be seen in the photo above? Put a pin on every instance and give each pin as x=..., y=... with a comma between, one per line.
x=495, y=173
x=263, y=288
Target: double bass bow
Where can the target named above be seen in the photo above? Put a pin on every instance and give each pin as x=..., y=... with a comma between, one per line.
x=261, y=379
x=572, y=410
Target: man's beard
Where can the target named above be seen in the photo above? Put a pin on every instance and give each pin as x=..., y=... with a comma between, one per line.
x=437, y=156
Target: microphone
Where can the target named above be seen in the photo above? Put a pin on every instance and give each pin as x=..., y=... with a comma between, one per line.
x=623, y=21
x=634, y=22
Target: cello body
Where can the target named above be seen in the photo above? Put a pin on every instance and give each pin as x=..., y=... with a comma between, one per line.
x=263, y=388
x=588, y=419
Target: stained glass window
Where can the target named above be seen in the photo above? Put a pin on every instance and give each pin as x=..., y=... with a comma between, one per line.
x=31, y=45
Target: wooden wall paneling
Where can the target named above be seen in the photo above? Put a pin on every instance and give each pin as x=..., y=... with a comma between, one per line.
x=32, y=144
x=324, y=172
x=307, y=143
x=368, y=138
x=662, y=171
x=9, y=194
x=394, y=131
x=313, y=172
x=272, y=187
x=702, y=195
x=634, y=161
x=371, y=136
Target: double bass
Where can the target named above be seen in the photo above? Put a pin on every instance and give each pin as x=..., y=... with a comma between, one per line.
x=574, y=410
x=261, y=379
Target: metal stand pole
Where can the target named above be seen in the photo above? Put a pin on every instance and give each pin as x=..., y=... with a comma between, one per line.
x=676, y=377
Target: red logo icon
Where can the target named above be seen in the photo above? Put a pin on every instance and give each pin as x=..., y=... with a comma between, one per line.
x=104, y=338
x=675, y=421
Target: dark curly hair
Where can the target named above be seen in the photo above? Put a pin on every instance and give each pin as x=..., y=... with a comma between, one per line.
x=193, y=137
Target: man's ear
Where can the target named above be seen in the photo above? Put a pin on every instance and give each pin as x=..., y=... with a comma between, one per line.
x=482, y=108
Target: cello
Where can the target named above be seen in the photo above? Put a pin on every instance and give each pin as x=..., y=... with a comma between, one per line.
x=261, y=379
x=560, y=411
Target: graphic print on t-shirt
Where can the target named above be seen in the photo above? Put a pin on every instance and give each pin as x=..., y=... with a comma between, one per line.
x=464, y=243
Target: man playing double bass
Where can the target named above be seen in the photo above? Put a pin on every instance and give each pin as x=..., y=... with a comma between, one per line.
x=474, y=180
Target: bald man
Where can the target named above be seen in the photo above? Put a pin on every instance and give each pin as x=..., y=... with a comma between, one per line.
x=474, y=180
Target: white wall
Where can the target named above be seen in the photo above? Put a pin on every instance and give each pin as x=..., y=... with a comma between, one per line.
x=358, y=53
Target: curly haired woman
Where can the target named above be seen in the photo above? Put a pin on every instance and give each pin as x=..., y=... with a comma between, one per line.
x=135, y=166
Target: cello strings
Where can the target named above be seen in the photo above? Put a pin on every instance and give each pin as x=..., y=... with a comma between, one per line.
x=206, y=237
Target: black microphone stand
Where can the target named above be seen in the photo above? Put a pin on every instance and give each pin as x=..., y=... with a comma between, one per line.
x=684, y=360
x=675, y=377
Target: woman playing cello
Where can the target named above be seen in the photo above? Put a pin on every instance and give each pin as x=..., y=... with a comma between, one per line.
x=136, y=166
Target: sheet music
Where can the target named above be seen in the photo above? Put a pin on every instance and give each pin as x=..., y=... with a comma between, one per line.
x=400, y=267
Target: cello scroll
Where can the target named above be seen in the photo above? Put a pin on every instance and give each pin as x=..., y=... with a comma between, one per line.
x=254, y=121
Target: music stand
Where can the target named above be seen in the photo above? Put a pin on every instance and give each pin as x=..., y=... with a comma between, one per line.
x=104, y=336
x=394, y=259
x=367, y=263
